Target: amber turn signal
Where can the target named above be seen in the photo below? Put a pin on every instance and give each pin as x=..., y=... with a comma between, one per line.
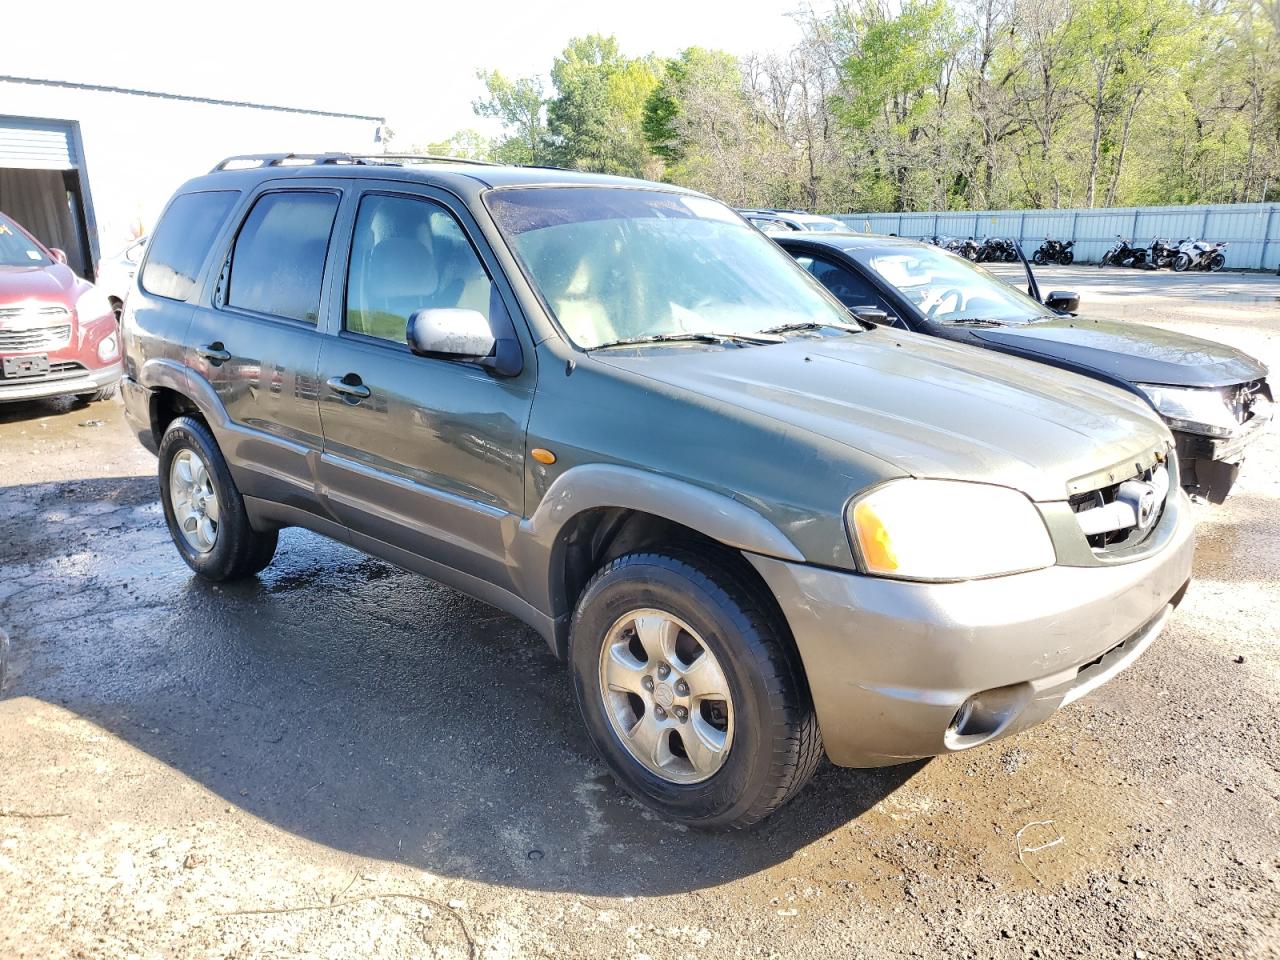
x=542, y=456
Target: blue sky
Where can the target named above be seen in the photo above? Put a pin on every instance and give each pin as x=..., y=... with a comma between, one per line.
x=413, y=63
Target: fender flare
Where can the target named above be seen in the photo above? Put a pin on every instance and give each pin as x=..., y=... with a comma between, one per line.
x=601, y=485
x=161, y=373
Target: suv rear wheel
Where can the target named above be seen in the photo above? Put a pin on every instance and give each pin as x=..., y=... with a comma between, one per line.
x=203, y=508
x=691, y=690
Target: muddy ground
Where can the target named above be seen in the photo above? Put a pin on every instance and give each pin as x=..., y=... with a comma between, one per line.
x=342, y=759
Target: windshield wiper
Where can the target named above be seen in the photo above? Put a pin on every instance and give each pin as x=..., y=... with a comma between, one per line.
x=813, y=325
x=972, y=322
x=739, y=338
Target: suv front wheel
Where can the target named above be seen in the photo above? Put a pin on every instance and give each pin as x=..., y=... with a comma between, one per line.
x=691, y=690
x=203, y=508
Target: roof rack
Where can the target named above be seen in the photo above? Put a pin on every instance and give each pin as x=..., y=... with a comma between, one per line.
x=424, y=157
x=248, y=161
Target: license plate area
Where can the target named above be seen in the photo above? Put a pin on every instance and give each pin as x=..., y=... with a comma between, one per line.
x=16, y=368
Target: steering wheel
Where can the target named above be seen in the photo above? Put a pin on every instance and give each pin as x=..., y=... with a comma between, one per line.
x=938, y=301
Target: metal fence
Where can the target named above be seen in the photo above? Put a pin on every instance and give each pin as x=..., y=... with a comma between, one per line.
x=1251, y=230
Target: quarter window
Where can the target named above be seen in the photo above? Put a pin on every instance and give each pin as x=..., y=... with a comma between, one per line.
x=182, y=241
x=409, y=255
x=277, y=263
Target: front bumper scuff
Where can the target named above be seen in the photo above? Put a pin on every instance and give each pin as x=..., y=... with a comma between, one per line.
x=890, y=663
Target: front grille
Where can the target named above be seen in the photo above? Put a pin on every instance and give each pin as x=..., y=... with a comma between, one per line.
x=1122, y=514
x=35, y=338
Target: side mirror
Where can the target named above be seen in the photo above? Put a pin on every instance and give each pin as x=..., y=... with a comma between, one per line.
x=59, y=255
x=449, y=332
x=1064, y=301
x=870, y=314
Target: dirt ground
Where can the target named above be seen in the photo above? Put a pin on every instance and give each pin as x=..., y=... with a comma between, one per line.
x=342, y=759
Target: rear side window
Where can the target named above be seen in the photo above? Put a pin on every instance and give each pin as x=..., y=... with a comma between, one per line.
x=182, y=240
x=277, y=263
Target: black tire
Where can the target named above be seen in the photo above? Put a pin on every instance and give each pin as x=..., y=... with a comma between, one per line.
x=104, y=393
x=239, y=551
x=1038, y=258
x=1106, y=259
x=776, y=745
x=1067, y=258
x=1181, y=262
x=1217, y=262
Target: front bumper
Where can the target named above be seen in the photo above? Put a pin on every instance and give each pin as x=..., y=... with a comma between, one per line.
x=891, y=663
x=33, y=389
x=1209, y=466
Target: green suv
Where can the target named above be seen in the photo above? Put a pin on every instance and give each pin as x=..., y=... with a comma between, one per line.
x=757, y=530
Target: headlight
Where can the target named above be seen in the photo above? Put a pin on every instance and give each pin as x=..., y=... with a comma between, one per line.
x=93, y=305
x=108, y=347
x=947, y=530
x=1193, y=410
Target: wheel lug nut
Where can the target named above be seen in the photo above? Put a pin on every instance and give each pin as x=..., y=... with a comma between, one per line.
x=659, y=713
x=682, y=688
x=647, y=683
x=682, y=714
x=663, y=670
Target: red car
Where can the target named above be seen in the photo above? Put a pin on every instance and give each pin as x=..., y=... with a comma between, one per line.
x=58, y=333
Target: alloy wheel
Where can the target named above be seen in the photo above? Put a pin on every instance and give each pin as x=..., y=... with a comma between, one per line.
x=666, y=696
x=194, y=500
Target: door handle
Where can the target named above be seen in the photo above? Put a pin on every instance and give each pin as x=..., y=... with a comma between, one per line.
x=344, y=386
x=214, y=352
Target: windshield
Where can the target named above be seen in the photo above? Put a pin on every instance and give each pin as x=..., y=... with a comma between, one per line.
x=16, y=248
x=823, y=226
x=616, y=264
x=949, y=289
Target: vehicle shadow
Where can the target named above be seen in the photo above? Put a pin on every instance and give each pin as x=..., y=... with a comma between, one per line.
x=19, y=410
x=353, y=704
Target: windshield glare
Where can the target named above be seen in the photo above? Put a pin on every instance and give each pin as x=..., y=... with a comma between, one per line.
x=944, y=287
x=616, y=263
x=16, y=248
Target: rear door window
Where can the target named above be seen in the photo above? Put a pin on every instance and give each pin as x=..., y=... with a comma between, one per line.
x=181, y=242
x=277, y=263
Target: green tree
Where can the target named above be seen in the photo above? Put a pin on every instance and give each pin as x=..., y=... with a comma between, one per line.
x=466, y=144
x=519, y=105
x=596, y=117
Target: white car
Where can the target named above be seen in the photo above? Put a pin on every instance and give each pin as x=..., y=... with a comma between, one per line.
x=786, y=221
x=115, y=274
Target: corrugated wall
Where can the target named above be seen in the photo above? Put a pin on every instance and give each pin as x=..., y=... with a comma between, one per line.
x=1251, y=230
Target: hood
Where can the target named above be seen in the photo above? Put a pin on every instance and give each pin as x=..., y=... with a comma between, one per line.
x=56, y=283
x=928, y=407
x=1130, y=351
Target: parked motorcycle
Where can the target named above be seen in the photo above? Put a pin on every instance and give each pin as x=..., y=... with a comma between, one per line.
x=1123, y=254
x=997, y=250
x=969, y=248
x=1054, y=251
x=1162, y=252
x=1200, y=255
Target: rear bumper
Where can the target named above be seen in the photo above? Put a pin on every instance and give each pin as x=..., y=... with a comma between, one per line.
x=890, y=663
x=34, y=389
x=137, y=411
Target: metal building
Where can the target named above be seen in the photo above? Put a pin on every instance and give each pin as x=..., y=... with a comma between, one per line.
x=87, y=168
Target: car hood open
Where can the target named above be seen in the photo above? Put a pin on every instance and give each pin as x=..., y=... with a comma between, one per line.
x=1134, y=352
x=928, y=407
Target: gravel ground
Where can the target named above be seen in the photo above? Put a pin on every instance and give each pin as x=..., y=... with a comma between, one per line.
x=344, y=759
